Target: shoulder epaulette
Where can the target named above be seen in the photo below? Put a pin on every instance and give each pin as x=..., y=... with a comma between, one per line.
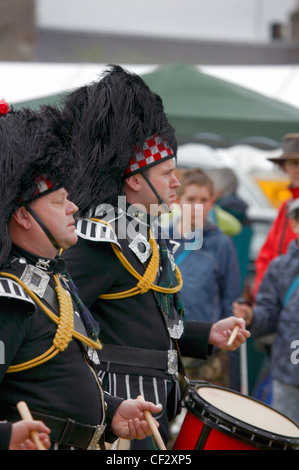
x=11, y=290
x=96, y=230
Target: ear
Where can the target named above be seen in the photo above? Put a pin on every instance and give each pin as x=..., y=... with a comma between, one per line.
x=21, y=218
x=134, y=182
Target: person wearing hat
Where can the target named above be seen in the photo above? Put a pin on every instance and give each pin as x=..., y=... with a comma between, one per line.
x=281, y=232
x=276, y=312
x=122, y=264
x=48, y=335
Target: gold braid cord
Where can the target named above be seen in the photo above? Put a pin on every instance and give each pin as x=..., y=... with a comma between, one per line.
x=65, y=329
x=145, y=282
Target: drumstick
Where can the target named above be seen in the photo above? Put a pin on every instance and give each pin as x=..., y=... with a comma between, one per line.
x=244, y=369
x=233, y=336
x=152, y=425
x=25, y=414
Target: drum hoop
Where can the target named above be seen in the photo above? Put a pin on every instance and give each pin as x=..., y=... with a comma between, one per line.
x=227, y=424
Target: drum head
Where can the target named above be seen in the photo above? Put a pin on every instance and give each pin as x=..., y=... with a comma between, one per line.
x=249, y=411
x=243, y=416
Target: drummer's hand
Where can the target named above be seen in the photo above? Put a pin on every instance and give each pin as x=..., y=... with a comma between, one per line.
x=243, y=311
x=221, y=331
x=129, y=422
x=20, y=435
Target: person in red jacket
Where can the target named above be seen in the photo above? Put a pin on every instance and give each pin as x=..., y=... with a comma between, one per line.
x=281, y=233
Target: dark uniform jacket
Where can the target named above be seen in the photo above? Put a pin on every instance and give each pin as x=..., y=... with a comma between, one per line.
x=136, y=335
x=65, y=386
x=5, y=434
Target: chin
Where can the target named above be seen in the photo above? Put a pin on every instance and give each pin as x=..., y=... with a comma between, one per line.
x=70, y=242
x=74, y=240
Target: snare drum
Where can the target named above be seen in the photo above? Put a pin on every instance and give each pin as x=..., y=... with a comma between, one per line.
x=220, y=419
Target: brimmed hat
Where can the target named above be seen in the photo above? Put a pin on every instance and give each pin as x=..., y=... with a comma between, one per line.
x=33, y=162
x=118, y=127
x=290, y=149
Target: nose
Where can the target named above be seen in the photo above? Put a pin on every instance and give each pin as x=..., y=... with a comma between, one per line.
x=72, y=208
x=175, y=182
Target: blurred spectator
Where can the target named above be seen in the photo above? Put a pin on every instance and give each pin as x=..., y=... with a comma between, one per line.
x=276, y=311
x=211, y=280
x=281, y=233
x=226, y=185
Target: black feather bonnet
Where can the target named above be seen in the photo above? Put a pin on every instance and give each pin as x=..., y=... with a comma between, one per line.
x=31, y=150
x=107, y=121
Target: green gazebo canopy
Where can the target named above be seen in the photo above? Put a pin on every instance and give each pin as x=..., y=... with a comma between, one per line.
x=199, y=103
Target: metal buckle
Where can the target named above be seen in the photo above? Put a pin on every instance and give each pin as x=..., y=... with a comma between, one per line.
x=98, y=432
x=172, y=361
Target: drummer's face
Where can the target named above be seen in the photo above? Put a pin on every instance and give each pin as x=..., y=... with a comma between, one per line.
x=57, y=213
x=164, y=180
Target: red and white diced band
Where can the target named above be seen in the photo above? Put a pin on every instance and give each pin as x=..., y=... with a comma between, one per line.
x=154, y=150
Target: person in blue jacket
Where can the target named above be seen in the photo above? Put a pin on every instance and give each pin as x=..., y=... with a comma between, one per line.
x=208, y=263
x=276, y=313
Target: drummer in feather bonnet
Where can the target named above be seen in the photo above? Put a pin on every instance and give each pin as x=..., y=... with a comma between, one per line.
x=125, y=146
x=45, y=328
